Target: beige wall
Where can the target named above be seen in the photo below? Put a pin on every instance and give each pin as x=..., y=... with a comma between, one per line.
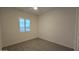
x=77, y=42
x=58, y=26
x=0, y=38
x=0, y=32
x=10, y=28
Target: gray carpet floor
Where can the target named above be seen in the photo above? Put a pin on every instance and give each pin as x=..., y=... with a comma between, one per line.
x=37, y=45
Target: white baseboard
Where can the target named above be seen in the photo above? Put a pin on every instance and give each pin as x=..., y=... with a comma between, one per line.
x=18, y=42
x=57, y=43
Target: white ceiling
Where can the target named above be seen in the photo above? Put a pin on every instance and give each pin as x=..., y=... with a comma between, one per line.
x=40, y=10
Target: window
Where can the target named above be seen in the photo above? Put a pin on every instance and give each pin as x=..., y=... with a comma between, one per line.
x=24, y=25
x=28, y=25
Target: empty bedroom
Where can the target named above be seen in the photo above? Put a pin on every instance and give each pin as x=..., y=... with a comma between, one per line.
x=37, y=28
